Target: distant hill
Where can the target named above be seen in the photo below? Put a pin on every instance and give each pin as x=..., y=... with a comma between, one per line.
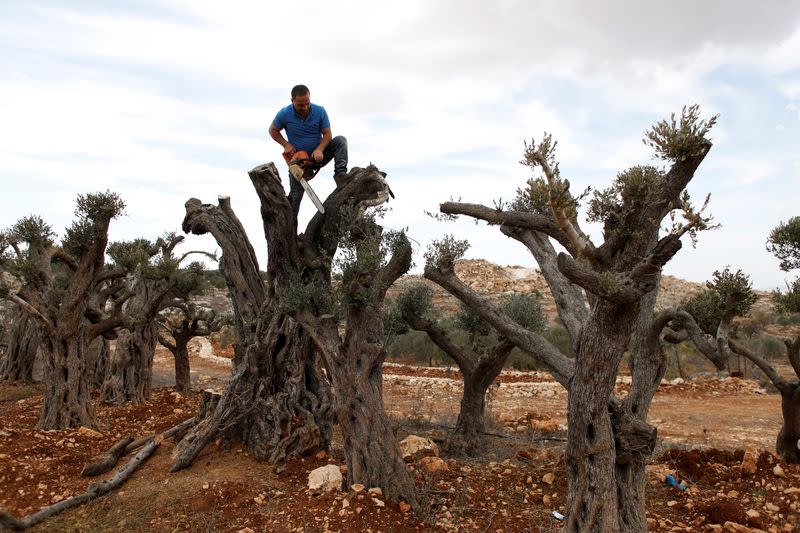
x=497, y=281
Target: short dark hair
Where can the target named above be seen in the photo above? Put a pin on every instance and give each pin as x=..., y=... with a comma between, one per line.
x=299, y=90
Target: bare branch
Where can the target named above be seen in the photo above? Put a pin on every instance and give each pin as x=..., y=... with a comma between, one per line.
x=557, y=363
x=569, y=298
x=35, y=313
x=765, y=367
x=440, y=339
x=516, y=219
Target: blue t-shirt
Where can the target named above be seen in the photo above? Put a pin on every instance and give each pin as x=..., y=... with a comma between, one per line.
x=303, y=133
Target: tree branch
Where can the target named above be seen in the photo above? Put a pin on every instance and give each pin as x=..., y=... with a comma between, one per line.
x=440, y=339
x=570, y=300
x=398, y=265
x=765, y=367
x=512, y=219
x=34, y=313
x=607, y=285
x=561, y=367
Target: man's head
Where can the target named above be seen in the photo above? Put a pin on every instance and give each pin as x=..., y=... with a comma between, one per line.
x=301, y=100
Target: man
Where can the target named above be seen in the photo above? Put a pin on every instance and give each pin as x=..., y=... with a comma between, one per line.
x=308, y=129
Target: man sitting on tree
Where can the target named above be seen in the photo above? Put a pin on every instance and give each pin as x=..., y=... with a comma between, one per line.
x=308, y=129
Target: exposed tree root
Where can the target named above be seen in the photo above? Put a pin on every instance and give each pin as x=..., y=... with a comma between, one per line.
x=94, y=490
x=126, y=445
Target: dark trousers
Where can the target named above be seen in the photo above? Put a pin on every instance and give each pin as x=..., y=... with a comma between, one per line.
x=336, y=151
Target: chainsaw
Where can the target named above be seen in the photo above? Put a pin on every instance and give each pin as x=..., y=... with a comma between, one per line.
x=303, y=169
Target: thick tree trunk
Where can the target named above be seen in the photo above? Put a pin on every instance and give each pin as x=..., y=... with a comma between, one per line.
x=67, y=401
x=467, y=438
x=23, y=344
x=592, y=500
x=130, y=368
x=183, y=380
x=97, y=361
x=371, y=447
x=634, y=438
x=277, y=403
x=786, y=445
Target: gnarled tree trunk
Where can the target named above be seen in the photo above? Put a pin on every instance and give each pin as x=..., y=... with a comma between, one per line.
x=592, y=499
x=130, y=368
x=67, y=399
x=183, y=378
x=371, y=447
x=97, y=357
x=277, y=404
x=23, y=345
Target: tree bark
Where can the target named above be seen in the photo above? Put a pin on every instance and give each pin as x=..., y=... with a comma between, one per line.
x=786, y=444
x=23, y=345
x=183, y=379
x=277, y=404
x=371, y=447
x=130, y=367
x=592, y=499
x=98, y=354
x=467, y=437
x=67, y=400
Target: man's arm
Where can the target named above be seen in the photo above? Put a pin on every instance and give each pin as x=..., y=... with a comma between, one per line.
x=326, y=138
x=276, y=135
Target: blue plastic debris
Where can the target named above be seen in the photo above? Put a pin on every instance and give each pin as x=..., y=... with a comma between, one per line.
x=558, y=516
x=670, y=480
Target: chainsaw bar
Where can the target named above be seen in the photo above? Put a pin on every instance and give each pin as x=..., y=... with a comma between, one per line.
x=297, y=172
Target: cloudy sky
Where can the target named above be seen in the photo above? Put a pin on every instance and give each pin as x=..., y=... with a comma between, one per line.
x=166, y=100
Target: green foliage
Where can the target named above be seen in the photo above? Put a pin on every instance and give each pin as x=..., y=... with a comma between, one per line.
x=471, y=322
x=393, y=323
x=99, y=206
x=442, y=254
x=676, y=140
x=784, y=243
x=542, y=195
x=559, y=337
x=92, y=210
x=729, y=294
x=294, y=296
x=416, y=299
x=190, y=280
x=788, y=301
x=534, y=197
x=131, y=254
x=33, y=231
x=631, y=190
x=524, y=309
x=766, y=346
x=417, y=347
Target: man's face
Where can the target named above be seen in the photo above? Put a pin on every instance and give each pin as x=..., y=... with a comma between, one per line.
x=302, y=105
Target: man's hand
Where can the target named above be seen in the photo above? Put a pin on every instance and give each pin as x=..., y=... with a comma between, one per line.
x=316, y=155
x=289, y=150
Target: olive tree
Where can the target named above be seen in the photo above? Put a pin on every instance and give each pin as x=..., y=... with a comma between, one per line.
x=152, y=273
x=279, y=402
x=605, y=297
x=479, y=361
x=56, y=287
x=179, y=323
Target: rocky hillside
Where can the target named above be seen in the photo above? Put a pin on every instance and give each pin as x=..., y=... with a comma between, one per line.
x=498, y=281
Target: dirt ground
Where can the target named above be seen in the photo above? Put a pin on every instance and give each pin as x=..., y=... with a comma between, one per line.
x=704, y=428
